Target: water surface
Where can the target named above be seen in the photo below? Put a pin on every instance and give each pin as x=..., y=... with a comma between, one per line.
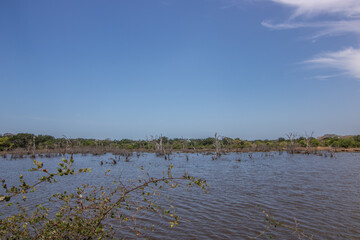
x=321, y=193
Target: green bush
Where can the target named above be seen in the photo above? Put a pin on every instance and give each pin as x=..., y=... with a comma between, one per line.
x=83, y=213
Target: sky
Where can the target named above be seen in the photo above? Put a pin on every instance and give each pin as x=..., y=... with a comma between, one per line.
x=253, y=69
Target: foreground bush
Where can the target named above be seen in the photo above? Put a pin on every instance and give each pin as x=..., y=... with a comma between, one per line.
x=86, y=212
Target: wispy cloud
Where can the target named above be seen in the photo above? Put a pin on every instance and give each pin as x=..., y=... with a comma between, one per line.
x=326, y=77
x=347, y=60
x=344, y=18
x=282, y=26
x=310, y=8
x=323, y=28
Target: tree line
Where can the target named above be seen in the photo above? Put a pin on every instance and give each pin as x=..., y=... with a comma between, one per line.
x=28, y=141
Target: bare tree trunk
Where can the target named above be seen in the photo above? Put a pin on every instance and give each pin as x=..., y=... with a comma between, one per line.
x=291, y=147
x=161, y=143
x=148, y=143
x=217, y=145
x=33, y=155
x=68, y=142
x=307, y=141
x=184, y=143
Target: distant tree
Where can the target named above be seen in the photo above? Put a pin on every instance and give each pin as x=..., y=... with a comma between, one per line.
x=332, y=141
x=207, y=141
x=45, y=141
x=314, y=142
x=226, y=141
x=302, y=143
x=4, y=143
x=21, y=140
x=357, y=138
x=346, y=142
x=357, y=141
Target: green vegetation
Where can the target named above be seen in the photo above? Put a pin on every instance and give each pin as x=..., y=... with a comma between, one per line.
x=84, y=213
x=45, y=143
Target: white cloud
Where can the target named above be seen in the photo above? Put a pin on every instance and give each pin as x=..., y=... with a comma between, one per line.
x=324, y=28
x=282, y=26
x=339, y=27
x=348, y=10
x=343, y=18
x=347, y=60
x=325, y=77
x=315, y=7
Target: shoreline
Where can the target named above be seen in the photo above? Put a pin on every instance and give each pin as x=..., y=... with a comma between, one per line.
x=19, y=153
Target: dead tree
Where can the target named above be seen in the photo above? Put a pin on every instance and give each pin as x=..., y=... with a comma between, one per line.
x=68, y=144
x=159, y=147
x=184, y=143
x=217, y=145
x=148, y=143
x=291, y=146
x=33, y=155
x=307, y=141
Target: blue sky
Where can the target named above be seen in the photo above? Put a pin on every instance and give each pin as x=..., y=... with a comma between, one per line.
x=182, y=68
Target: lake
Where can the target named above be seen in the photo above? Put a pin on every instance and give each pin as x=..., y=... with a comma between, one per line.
x=321, y=193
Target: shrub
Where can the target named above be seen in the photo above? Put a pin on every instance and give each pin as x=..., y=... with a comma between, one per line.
x=83, y=213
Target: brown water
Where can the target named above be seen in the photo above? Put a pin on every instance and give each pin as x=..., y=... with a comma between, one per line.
x=321, y=193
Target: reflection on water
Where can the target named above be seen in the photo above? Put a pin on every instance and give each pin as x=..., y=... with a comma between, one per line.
x=323, y=194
